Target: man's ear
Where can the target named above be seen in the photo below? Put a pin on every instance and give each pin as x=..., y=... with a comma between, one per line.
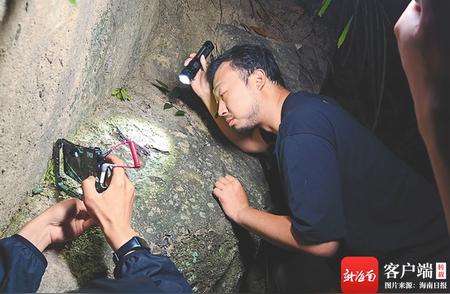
x=260, y=78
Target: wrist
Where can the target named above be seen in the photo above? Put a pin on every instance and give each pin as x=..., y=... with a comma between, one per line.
x=240, y=215
x=37, y=232
x=117, y=236
x=135, y=243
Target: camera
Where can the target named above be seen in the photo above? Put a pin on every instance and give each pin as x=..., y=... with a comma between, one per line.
x=189, y=72
x=79, y=163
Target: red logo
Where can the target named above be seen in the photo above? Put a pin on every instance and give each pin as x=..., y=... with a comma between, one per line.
x=359, y=274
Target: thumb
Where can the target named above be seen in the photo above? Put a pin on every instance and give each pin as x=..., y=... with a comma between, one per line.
x=89, y=191
x=88, y=223
x=203, y=63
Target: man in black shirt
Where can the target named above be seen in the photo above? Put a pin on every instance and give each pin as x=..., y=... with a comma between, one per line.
x=347, y=193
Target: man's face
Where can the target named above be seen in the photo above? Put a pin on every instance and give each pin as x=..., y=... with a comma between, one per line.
x=237, y=101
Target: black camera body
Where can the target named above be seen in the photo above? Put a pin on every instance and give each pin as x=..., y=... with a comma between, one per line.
x=79, y=163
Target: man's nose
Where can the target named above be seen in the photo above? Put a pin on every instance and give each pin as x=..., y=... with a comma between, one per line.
x=222, y=110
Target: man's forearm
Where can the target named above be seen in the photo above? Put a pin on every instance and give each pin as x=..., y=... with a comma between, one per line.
x=442, y=175
x=435, y=129
x=36, y=231
x=432, y=108
x=277, y=229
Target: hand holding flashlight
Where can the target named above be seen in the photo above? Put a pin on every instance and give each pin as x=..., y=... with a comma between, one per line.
x=199, y=83
x=190, y=70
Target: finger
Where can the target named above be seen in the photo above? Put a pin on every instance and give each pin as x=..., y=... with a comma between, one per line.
x=230, y=178
x=217, y=192
x=186, y=62
x=118, y=175
x=63, y=209
x=115, y=160
x=88, y=187
x=224, y=180
x=219, y=185
x=81, y=208
x=88, y=223
x=203, y=63
x=129, y=187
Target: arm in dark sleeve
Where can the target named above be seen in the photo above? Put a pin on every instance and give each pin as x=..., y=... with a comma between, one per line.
x=141, y=271
x=21, y=265
x=312, y=181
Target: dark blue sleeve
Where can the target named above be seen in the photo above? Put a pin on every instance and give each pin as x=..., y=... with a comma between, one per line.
x=21, y=265
x=311, y=176
x=142, y=271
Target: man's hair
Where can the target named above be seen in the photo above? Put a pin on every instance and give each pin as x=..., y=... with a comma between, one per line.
x=246, y=59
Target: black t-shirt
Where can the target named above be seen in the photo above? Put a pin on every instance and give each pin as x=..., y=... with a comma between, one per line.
x=343, y=184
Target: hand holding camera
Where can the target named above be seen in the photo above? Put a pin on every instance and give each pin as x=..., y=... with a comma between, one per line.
x=112, y=209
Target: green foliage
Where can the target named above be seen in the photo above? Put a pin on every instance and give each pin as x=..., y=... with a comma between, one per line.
x=37, y=190
x=168, y=105
x=174, y=93
x=344, y=33
x=49, y=176
x=73, y=2
x=324, y=7
x=179, y=113
x=161, y=86
x=120, y=93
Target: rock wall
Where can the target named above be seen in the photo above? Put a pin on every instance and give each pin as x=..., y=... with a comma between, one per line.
x=57, y=60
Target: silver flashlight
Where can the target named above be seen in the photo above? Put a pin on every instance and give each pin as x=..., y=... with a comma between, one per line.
x=189, y=72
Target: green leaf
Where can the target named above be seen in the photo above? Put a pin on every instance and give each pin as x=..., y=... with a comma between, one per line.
x=115, y=91
x=124, y=93
x=162, y=84
x=168, y=106
x=180, y=113
x=73, y=2
x=161, y=88
x=37, y=190
x=324, y=7
x=344, y=33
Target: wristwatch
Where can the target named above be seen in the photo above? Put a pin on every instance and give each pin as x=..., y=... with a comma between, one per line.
x=133, y=244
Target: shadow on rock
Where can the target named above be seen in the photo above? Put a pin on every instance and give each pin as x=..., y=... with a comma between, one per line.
x=85, y=256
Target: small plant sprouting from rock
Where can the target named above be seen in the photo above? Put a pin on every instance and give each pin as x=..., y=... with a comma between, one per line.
x=179, y=112
x=73, y=2
x=120, y=93
x=49, y=176
x=173, y=94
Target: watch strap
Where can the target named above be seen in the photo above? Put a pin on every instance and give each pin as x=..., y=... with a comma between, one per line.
x=133, y=244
